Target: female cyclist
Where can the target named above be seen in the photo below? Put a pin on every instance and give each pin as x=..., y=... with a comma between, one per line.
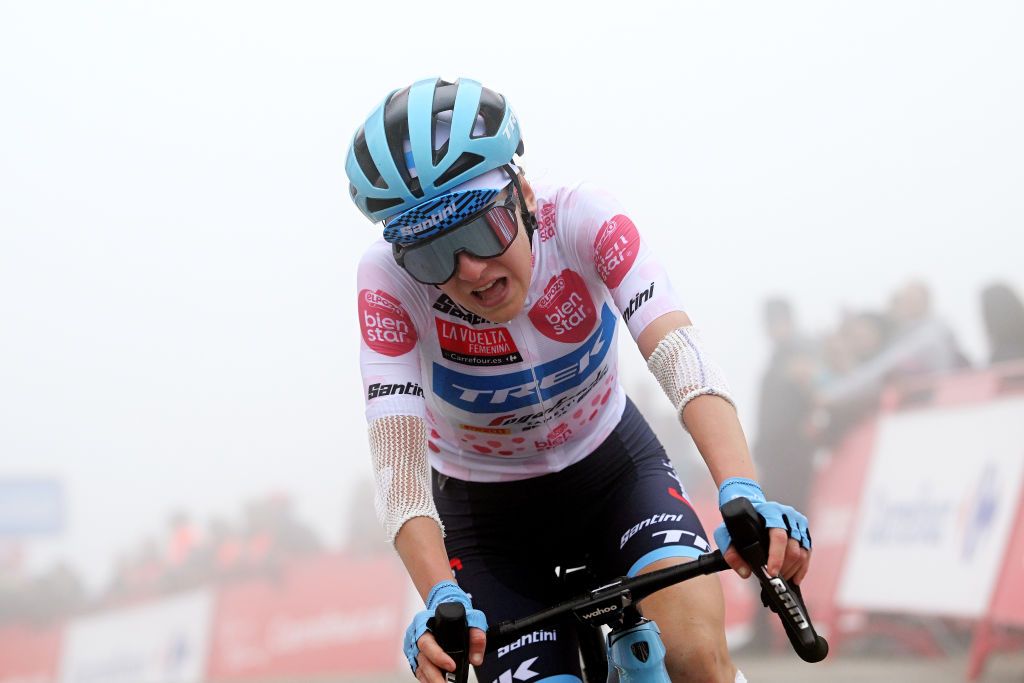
x=502, y=442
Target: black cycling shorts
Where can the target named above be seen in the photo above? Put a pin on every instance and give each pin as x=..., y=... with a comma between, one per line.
x=617, y=510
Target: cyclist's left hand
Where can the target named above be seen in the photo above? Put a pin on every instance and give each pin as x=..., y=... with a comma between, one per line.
x=789, y=551
x=426, y=658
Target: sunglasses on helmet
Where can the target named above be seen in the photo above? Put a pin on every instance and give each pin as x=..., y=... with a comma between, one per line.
x=487, y=234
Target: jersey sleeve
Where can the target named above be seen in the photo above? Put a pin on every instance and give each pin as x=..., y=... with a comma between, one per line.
x=389, y=358
x=608, y=246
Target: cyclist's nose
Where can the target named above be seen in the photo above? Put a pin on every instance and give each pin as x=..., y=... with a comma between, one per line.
x=470, y=267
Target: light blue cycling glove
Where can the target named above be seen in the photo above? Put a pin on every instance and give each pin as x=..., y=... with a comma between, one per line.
x=775, y=515
x=445, y=591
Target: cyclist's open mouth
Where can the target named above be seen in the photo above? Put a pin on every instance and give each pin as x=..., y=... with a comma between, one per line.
x=493, y=293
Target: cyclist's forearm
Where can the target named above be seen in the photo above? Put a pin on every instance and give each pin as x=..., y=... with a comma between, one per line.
x=421, y=546
x=715, y=428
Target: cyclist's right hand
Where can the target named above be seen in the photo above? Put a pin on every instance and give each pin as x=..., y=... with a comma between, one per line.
x=790, y=540
x=426, y=658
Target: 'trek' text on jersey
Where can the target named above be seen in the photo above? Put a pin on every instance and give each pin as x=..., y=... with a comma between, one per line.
x=511, y=391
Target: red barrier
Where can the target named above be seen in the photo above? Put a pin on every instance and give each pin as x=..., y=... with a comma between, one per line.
x=834, y=514
x=29, y=655
x=326, y=616
x=1007, y=607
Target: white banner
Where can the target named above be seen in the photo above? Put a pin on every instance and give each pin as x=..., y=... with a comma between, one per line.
x=157, y=642
x=937, y=510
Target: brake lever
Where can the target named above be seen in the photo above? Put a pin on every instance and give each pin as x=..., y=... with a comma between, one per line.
x=452, y=633
x=750, y=538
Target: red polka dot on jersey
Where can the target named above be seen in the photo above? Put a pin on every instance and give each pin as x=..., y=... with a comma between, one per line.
x=433, y=447
x=469, y=437
x=496, y=444
x=518, y=439
x=577, y=414
x=433, y=433
x=481, y=449
x=604, y=399
x=597, y=399
x=592, y=415
x=504, y=452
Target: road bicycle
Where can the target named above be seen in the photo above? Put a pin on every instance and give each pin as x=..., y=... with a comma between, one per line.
x=633, y=651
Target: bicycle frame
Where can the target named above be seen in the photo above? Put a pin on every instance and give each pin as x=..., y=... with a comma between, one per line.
x=634, y=648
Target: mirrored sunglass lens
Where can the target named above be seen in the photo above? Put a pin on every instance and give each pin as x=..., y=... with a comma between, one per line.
x=429, y=264
x=486, y=236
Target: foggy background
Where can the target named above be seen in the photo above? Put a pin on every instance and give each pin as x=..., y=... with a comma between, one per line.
x=178, y=250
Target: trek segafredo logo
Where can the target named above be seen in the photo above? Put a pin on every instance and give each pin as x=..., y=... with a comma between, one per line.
x=431, y=221
x=504, y=392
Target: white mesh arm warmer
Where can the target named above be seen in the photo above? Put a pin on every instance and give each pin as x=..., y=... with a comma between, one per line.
x=684, y=370
x=398, y=447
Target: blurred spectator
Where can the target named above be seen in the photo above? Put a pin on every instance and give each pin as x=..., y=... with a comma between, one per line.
x=782, y=447
x=909, y=342
x=273, y=535
x=182, y=539
x=922, y=344
x=1003, y=314
x=56, y=593
x=860, y=338
x=220, y=553
x=291, y=537
x=40, y=599
x=145, y=570
x=182, y=561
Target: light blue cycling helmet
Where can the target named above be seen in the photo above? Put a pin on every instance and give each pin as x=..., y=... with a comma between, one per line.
x=397, y=160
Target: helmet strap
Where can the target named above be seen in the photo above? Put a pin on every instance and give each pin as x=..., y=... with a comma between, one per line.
x=528, y=217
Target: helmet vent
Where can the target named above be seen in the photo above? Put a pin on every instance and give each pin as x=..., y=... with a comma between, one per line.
x=465, y=162
x=375, y=205
x=492, y=110
x=396, y=126
x=365, y=161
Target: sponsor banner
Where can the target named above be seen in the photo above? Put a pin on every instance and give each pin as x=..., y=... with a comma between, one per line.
x=327, y=616
x=30, y=506
x=465, y=345
x=936, y=513
x=157, y=642
x=29, y=655
x=565, y=312
x=615, y=249
x=514, y=390
x=385, y=325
